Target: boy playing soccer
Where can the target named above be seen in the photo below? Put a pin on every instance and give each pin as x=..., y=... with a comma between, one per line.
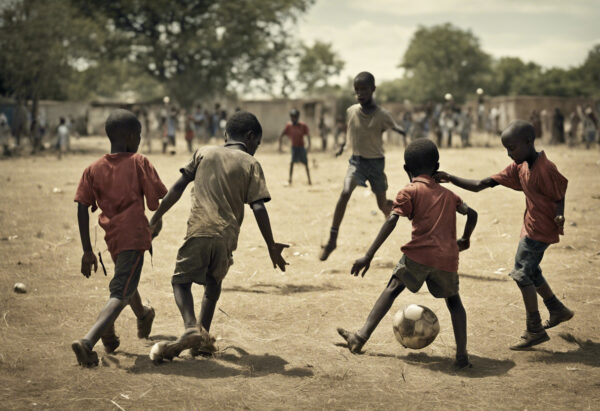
x=224, y=178
x=432, y=254
x=544, y=188
x=117, y=183
x=296, y=130
x=366, y=124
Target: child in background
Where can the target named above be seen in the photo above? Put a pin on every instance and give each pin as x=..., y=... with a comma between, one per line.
x=296, y=130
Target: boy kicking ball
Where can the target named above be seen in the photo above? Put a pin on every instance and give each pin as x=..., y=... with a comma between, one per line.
x=117, y=183
x=432, y=254
x=225, y=178
x=544, y=188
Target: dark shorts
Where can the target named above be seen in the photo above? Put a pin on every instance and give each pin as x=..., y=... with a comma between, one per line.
x=441, y=284
x=527, y=269
x=363, y=169
x=199, y=257
x=299, y=155
x=128, y=269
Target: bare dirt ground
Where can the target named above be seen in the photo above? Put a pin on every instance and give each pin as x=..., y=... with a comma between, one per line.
x=276, y=331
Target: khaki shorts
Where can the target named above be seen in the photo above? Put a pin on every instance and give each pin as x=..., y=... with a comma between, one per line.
x=199, y=257
x=441, y=284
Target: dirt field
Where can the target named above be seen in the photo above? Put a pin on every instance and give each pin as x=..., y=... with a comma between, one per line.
x=276, y=331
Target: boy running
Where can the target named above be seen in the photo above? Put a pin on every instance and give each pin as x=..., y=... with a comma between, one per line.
x=296, y=130
x=117, y=183
x=225, y=178
x=366, y=124
x=544, y=188
x=432, y=254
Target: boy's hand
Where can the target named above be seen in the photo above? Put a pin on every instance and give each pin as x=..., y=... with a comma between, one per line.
x=340, y=151
x=156, y=228
x=560, y=222
x=463, y=244
x=88, y=259
x=360, y=264
x=275, y=254
x=441, y=177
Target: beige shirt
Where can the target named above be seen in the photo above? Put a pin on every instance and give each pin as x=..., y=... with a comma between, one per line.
x=365, y=130
x=224, y=180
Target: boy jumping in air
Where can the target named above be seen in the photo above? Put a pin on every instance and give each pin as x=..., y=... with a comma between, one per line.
x=544, y=188
x=117, y=183
x=366, y=123
x=432, y=254
x=225, y=178
x=296, y=130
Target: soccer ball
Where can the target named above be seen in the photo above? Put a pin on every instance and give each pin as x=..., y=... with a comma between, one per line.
x=416, y=326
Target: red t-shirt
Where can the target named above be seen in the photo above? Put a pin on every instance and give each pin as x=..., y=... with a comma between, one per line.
x=543, y=186
x=432, y=209
x=296, y=133
x=117, y=183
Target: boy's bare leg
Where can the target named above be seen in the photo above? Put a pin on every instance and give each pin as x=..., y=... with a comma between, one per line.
x=185, y=302
x=459, y=325
x=145, y=315
x=535, y=333
x=212, y=292
x=136, y=305
x=308, y=174
x=291, y=172
x=384, y=204
x=338, y=215
x=105, y=320
x=380, y=309
x=558, y=312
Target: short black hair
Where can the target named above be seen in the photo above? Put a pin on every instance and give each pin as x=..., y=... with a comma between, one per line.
x=366, y=77
x=421, y=154
x=120, y=124
x=521, y=129
x=240, y=123
x=294, y=112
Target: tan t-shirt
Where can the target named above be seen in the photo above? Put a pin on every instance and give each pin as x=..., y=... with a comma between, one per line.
x=365, y=130
x=224, y=180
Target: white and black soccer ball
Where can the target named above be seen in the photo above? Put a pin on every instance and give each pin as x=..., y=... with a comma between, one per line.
x=416, y=326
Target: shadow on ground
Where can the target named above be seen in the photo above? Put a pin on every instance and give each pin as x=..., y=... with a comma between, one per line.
x=230, y=362
x=587, y=352
x=281, y=289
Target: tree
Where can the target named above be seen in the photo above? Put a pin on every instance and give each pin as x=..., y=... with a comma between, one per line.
x=444, y=59
x=200, y=47
x=317, y=64
x=590, y=72
x=512, y=76
x=39, y=49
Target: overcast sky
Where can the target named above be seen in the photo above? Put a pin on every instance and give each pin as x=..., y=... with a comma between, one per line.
x=373, y=34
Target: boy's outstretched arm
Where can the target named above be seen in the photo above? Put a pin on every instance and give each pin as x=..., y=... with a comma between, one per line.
x=399, y=130
x=365, y=262
x=173, y=195
x=275, y=249
x=88, y=259
x=471, y=185
x=465, y=241
x=308, y=143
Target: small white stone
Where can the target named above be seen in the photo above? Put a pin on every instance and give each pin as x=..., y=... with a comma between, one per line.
x=20, y=288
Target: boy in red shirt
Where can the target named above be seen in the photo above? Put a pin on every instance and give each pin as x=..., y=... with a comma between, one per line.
x=296, y=130
x=544, y=188
x=117, y=184
x=432, y=254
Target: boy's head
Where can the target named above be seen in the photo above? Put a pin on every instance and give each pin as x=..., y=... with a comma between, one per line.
x=294, y=116
x=123, y=130
x=364, y=87
x=518, y=139
x=244, y=127
x=421, y=156
x=62, y=120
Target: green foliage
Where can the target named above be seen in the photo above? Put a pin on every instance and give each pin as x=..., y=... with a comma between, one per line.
x=443, y=59
x=198, y=48
x=394, y=90
x=317, y=64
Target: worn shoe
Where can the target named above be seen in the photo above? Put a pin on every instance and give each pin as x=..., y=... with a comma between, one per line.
x=326, y=250
x=85, y=356
x=557, y=317
x=529, y=339
x=462, y=362
x=111, y=343
x=191, y=338
x=144, y=324
x=355, y=342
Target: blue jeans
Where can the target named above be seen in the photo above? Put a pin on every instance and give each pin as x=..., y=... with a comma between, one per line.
x=527, y=269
